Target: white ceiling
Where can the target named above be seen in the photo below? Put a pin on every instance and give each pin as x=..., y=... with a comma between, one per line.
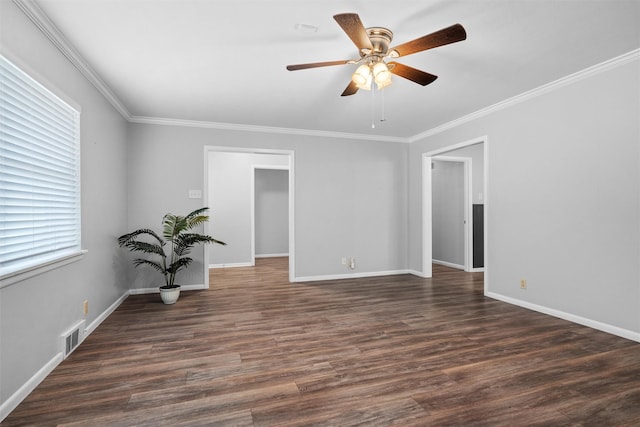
x=224, y=62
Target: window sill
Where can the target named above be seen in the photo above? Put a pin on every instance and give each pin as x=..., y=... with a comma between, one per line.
x=27, y=273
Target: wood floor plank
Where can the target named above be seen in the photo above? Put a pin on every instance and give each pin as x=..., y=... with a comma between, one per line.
x=256, y=350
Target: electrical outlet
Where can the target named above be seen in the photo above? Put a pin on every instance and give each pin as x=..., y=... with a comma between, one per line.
x=523, y=284
x=85, y=307
x=195, y=194
x=344, y=261
x=352, y=263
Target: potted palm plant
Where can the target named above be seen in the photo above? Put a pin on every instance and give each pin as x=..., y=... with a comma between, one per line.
x=176, y=232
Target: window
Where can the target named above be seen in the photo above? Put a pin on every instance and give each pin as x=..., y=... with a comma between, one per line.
x=39, y=174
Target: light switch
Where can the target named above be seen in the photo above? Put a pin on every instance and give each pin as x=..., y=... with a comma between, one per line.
x=195, y=194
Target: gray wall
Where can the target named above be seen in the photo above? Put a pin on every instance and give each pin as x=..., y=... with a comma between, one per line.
x=563, y=197
x=229, y=187
x=34, y=312
x=350, y=195
x=447, y=207
x=272, y=212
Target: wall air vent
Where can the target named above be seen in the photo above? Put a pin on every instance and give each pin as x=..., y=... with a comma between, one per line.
x=72, y=338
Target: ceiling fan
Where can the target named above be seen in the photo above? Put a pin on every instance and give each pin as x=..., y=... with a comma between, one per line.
x=373, y=47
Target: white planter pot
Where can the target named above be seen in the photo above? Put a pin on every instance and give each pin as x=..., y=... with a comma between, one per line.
x=170, y=295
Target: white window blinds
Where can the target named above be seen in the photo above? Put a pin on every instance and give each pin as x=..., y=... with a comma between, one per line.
x=39, y=173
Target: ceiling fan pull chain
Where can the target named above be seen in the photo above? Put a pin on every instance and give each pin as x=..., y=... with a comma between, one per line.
x=382, y=117
x=373, y=108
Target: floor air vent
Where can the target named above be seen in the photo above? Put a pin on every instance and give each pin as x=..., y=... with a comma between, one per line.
x=72, y=338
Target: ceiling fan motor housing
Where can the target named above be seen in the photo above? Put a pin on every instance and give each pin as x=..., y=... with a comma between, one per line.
x=380, y=40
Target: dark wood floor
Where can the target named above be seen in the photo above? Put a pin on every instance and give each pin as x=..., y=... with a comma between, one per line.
x=398, y=350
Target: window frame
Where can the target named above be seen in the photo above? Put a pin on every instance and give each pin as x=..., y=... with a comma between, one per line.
x=61, y=257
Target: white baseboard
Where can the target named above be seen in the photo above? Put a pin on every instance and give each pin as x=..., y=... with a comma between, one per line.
x=101, y=318
x=144, y=291
x=424, y=276
x=272, y=255
x=448, y=264
x=14, y=400
x=419, y=274
x=350, y=275
x=232, y=265
x=604, y=327
x=198, y=287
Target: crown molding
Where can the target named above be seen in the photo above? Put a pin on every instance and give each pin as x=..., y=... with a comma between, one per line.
x=42, y=21
x=48, y=28
x=263, y=129
x=541, y=90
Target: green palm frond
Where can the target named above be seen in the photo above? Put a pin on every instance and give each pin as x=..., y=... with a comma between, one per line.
x=145, y=247
x=171, y=226
x=197, y=212
x=157, y=266
x=174, y=232
x=179, y=264
x=185, y=242
x=195, y=220
x=125, y=239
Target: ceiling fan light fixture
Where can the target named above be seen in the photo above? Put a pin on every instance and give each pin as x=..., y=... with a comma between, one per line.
x=381, y=74
x=362, y=77
x=384, y=84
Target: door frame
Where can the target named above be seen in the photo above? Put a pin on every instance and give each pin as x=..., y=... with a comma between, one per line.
x=427, y=230
x=253, y=203
x=291, y=156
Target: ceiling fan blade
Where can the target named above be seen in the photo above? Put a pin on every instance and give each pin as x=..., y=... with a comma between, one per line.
x=421, y=77
x=315, y=65
x=350, y=90
x=452, y=34
x=351, y=24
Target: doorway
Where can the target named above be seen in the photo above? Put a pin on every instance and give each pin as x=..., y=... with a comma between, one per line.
x=479, y=195
x=229, y=192
x=451, y=206
x=270, y=212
